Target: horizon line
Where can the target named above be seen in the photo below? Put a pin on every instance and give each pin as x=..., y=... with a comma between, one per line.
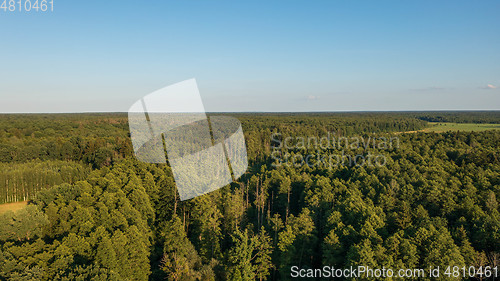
x=318, y=111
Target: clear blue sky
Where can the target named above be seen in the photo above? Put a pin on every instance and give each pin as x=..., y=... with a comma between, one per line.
x=254, y=55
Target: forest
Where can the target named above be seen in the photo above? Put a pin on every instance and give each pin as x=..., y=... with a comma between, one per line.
x=95, y=212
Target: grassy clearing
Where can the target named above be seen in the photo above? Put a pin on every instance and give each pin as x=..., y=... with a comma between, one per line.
x=12, y=206
x=467, y=127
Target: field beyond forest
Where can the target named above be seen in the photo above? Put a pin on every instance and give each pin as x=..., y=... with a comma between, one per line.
x=466, y=127
x=96, y=213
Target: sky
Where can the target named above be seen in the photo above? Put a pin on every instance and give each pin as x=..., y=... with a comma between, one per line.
x=267, y=56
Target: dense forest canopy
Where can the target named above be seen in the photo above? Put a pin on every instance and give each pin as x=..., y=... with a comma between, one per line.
x=96, y=213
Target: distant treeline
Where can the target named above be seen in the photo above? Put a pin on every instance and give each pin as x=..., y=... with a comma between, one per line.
x=480, y=117
x=95, y=139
